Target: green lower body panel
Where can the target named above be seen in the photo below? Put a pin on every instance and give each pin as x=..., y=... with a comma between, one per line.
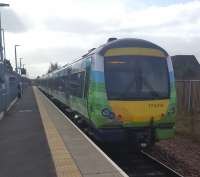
x=162, y=134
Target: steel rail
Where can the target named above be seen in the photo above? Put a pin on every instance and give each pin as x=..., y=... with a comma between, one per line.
x=169, y=170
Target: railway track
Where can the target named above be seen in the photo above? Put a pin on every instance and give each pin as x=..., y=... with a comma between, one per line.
x=135, y=164
x=168, y=171
x=139, y=164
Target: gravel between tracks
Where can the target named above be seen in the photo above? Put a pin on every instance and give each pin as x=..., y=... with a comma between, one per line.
x=181, y=154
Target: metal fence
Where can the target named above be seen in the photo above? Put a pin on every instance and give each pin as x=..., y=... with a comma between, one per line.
x=8, y=90
x=2, y=100
x=188, y=96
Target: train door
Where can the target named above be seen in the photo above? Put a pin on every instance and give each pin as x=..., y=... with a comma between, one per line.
x=67, y=85
x=87, y=83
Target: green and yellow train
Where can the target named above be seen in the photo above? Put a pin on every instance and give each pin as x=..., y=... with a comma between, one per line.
x=123, y=90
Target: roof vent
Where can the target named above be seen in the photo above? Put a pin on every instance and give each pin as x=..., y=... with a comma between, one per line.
x=111, y=39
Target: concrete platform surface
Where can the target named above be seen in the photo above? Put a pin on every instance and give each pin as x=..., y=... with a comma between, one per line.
x=89, y=159
x=24, y=151
x=38, y=140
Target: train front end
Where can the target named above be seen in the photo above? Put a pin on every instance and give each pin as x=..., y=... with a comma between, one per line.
x=140, y=92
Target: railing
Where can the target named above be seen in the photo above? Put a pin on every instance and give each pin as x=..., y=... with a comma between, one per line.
x=8, y=92
x=2, y=107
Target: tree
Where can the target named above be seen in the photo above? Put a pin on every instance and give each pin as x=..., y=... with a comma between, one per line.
x=8, y=65
x=53, y=67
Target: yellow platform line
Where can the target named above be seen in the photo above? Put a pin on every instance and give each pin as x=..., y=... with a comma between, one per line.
x=63, y=162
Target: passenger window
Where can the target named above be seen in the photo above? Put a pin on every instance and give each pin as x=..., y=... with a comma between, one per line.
x=61, y=84
x=77, y=84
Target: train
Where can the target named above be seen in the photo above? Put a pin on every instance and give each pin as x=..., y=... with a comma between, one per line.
x=123, y=90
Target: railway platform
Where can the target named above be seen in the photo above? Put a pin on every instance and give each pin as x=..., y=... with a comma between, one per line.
x=38, y=140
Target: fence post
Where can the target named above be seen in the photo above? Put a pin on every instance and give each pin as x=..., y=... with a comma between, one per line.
x=189, y=96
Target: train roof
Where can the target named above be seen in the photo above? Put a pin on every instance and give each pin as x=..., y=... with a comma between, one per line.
x=127, y=42
x=122, y=43
x=115, y=43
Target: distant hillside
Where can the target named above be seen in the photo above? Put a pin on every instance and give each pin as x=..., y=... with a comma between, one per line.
x=186, y=67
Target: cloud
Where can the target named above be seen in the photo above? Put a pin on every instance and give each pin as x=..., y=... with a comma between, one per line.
x=72, y=25
x=178, y=19
x=41, y=58
x=13, y=22
x=65, y=31
x=173, y=19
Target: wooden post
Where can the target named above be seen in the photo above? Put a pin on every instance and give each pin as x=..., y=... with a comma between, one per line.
x=189, y=96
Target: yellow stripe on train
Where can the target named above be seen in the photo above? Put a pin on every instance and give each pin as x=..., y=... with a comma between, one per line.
x=139, y=111
x=135, y=51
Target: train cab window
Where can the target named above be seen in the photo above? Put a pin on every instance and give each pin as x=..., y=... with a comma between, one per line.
x=77, y=84
x=136, y=78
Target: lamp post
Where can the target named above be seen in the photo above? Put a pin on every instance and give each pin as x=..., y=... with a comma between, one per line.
x=20, y=65
x=4, y=43
x=1, y=47
x=2, y=74
x=16, y=57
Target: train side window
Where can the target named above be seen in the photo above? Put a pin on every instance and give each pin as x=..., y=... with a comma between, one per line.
x=61, y=83
x=77, y=84
x=67, y=81
x=56, y=83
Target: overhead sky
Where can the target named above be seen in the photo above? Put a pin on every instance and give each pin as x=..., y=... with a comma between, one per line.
x=63, y=30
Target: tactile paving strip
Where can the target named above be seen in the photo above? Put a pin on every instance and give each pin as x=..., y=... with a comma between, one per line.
x=64, y=164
